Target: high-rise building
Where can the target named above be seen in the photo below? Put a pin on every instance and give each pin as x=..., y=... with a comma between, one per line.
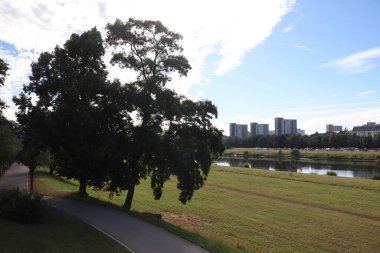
x=262, y=129
x=232, y=129
x=278, y=126
x=331, y=128
x=239, y=130
x=252, y=128
x=285, y=126
x=290, y=126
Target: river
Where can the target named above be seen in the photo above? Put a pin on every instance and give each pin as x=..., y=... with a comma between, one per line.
x=342, y=169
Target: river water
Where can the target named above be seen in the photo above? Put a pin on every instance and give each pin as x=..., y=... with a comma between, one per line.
x=342, y=169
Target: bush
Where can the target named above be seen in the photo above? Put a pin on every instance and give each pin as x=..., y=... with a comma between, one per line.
x=331, y=173
x=295, y=153
x=22, y=206
x=376, y=177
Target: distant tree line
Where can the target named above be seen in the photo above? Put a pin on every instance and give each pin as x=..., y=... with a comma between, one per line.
x=316, y=140
x=107, y=134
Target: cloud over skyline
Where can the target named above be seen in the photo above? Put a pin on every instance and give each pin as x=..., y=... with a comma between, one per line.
x=356, y=63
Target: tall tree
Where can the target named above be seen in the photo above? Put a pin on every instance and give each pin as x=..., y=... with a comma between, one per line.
x=171, y=135
x=77, y=113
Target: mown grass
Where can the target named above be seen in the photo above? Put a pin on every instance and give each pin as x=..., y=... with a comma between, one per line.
x=58, y=233
x=316, y=154
x=263, y=211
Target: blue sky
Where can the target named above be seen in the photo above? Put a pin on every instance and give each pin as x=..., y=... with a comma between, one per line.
x=291, y=74
x=315, y=61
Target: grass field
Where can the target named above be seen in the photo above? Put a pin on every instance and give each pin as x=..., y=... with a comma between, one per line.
x=263, y=211
x=57, y=234
x=372, y=155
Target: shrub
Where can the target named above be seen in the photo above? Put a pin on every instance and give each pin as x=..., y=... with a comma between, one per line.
x=22, y=206
x=295, y=153
x=376, y=177
x=331, y=173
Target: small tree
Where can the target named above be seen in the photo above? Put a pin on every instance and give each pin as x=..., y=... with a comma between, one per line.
x=295, y=154
x=171, y=135
x=280, y=155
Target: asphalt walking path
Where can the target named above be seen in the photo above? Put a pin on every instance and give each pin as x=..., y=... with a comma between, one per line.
x=16, y=176
x=136, y=235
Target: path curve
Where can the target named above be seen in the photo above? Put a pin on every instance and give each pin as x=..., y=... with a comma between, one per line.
x=136, y=235
x=16, y=176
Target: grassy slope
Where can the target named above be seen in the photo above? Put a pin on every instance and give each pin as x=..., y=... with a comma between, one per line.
x=58, y=233
x=267, y=211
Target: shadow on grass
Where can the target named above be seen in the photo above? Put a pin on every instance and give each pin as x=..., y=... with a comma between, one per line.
x=156, y=219
x=43, y=174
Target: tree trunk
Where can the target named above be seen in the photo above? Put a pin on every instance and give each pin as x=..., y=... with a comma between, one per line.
x=31, y=178
x=51, y=169
x=82, y=186
x=128, y=201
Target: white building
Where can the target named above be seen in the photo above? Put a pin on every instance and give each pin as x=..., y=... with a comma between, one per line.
x=300, y=132
x=371, y=128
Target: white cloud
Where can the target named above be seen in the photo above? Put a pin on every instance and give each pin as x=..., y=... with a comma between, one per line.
x=365, y=93
x=287, y=28
x=302, y=47
x=226, y=30
x=356, y=63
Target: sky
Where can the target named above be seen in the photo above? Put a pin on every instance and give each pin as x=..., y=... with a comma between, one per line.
x=310, y=60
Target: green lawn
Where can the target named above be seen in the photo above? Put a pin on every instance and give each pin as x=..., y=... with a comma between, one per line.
x=264, y=211
x=58, y=233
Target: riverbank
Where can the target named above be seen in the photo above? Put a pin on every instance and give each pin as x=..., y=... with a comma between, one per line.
x=319, y=155
x=252, y=210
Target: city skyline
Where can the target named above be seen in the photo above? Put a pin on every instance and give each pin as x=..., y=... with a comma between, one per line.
x=316, y=61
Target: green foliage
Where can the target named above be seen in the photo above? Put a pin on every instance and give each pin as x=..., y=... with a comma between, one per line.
x=331, y=173
x=3, y=71
x=280, y=155
x=316, y=140
x=78, y=115
x=376, y=177
x=172, y=135
x=295, y=153
x=28, y=207
x=10, y=144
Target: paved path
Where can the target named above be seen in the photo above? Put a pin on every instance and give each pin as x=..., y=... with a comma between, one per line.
x=15, y=176
x=137, y=235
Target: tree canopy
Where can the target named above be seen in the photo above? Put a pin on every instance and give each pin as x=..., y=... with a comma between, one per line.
x=111, y=135
x=171, y=134
x=76, y=114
